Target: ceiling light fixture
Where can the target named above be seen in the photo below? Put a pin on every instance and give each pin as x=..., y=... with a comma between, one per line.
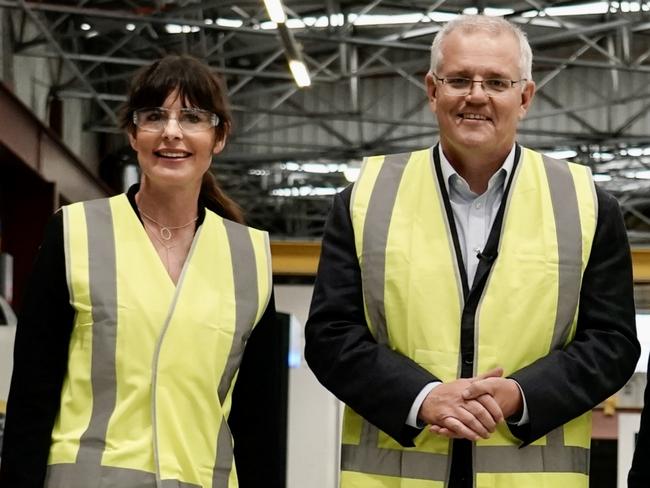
x=300, y=73
x=292, y=49
x=275, y=10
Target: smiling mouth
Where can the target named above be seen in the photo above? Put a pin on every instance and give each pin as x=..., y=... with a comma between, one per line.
x=469, y=116
x=172, y=154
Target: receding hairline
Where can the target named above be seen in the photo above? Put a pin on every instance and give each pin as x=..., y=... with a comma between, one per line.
x=474, y=32
x=473, y=24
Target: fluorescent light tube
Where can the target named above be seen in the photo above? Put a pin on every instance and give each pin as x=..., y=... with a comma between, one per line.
x=275, y=11
x=300, y=73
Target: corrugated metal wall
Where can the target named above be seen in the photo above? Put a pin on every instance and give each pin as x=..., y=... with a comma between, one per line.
x=389, y=99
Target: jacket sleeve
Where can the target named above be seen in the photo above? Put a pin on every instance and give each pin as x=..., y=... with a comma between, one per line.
x=604, y=352
x=374, y=380
x=259, y=406
x=40, y=360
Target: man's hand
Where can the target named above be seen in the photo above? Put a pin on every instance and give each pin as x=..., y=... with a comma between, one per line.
x=504, y=391
x=450, y=414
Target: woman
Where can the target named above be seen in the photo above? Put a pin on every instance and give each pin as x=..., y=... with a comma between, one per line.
x=138, y=310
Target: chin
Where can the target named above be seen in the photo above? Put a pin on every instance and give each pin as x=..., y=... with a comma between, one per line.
x=473, y=137
x=477, y=142
x=172, y=178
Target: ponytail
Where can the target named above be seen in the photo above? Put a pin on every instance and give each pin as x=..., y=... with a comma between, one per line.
x=216, y=200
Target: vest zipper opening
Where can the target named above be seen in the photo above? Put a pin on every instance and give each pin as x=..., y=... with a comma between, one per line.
x=156, y=357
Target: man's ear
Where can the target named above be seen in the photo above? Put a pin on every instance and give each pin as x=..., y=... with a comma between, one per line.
x=527, y=95
x=432, y=90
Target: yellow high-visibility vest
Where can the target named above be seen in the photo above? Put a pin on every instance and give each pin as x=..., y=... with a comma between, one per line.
x=151, y=364
x=414, y=298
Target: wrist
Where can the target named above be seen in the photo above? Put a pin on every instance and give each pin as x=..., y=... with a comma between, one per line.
x=514, y=402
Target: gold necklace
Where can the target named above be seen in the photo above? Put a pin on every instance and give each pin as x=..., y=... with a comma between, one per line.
x=165, y=246
x=166, y=230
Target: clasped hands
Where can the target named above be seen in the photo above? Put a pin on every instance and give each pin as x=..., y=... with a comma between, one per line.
x=471, y=408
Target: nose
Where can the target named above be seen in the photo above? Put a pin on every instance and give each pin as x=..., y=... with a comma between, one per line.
x=172, y=129
x=476, y=91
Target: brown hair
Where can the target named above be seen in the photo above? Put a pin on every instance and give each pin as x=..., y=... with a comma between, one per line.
x=197, y=87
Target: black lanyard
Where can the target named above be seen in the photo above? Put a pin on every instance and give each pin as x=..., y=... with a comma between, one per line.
x=486, y=259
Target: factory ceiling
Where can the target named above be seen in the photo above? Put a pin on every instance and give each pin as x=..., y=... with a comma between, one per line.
x=366, y=60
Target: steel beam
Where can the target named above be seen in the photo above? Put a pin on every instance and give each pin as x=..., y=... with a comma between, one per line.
x=550, y=76
x=591, y=106
x=408, y=113
x=136, y=18
x=289, y=93
x=590, y=64
x=69, y=63
x=570, y=27
x=323, y=124
x=145, y=62
x=242, y=83
x=576, y=31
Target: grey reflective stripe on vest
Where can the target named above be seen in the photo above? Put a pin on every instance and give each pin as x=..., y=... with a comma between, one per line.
x=83, y=476
x=569, y=243
x=103, y=297
x=532, y=459
x=246, y=284
x=224, y=457
x=245, y=278
x=375, y=237
x=370, y=459
x=554, y=457
x=555, y=454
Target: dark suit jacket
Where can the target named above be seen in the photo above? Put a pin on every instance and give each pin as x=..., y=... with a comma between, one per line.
x=639, y=476
x=381, y=385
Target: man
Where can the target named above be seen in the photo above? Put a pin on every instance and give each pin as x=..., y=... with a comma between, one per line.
x=469, y=283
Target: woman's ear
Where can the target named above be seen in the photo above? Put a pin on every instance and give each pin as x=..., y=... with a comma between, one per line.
x=219, y=145
x=133, y=140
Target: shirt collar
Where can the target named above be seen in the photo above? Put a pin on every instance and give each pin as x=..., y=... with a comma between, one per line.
x=448, y=171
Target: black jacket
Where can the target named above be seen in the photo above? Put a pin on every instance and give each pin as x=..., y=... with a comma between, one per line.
x=41, y=358
x=558, y=387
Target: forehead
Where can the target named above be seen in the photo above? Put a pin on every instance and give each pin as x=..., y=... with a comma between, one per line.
x=174, y=100
x=480, y=52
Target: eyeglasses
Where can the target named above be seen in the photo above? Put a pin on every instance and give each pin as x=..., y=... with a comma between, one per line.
x=188, y=119
x=461, y=87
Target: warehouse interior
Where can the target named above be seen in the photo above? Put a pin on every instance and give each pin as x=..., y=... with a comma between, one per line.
x=300, y=137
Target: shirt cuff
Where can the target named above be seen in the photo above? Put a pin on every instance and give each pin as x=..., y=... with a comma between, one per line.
x=524, y=411
x=412, y=419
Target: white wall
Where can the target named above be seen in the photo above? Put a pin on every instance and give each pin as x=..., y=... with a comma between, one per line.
x=628, y=429
x=32, y=83
x=7, y=335
x=314, y=413
x=83, y=143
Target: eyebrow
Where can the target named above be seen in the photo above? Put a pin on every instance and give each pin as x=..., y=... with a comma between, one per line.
x=463, y=73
